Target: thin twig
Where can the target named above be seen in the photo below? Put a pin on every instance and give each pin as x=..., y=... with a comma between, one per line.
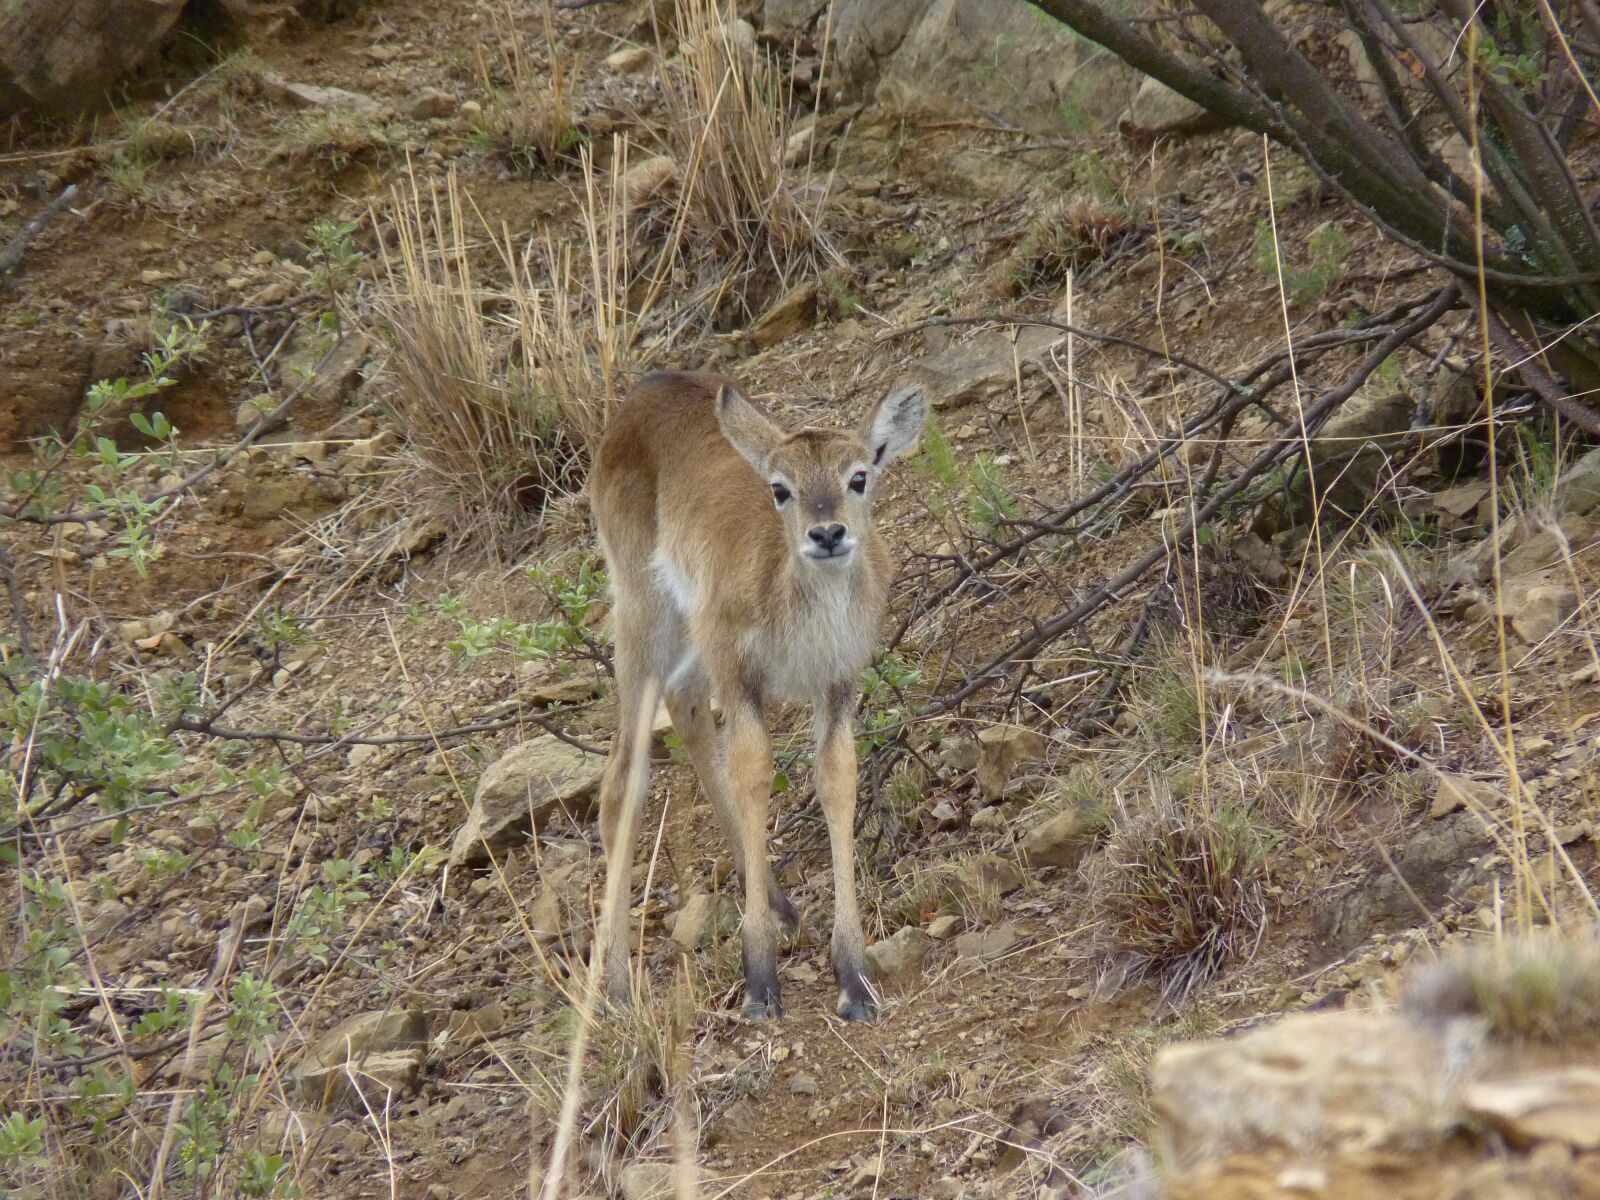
x=18, y=245
x=211, y=729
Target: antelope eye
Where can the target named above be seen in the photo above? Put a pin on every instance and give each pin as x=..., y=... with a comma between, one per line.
x=858, y=482
x=780, y=494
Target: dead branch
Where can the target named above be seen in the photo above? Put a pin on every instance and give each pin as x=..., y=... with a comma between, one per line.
x=1051, y=629
x=18, y=245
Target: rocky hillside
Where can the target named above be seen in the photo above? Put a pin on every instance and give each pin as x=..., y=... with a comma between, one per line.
x=1228, y=806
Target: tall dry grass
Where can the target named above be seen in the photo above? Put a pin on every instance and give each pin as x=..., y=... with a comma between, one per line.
x=507, y=356
x=726, y=212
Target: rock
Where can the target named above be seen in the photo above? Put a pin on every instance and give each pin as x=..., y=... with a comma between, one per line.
x=704, y=918
x=361, y=754
x=554, y=689
x=983, y=366
x=311, y=95
x=646, y=184
x=1460, y=502
x=1315, y=1082
x=803, y=1084
x=477, y=1024
x=1351, y=454
x=1059, y=842
x=794, y=313
x=976, y=58
x=943, y=928
x=253, y=408
x=370, y=1033
x=372, y=1084
x=429, y=104
x=1453, y=792
x=790, y=16
x=1559, y=1105
x=1000, y=749
x=988, y=818
x=1434, y=866
x=648, y=1181
x=202, y=831
x=528, y=783
x=629, y=60
x=800, y=145
x=987, y=875
x=1537, y=607
x=368, y=452
x=866, y=1177
x=986, y=944
x=328, y=374
x=1578, y=491
x=62, y=58
x=1158, y=111
x=896, y=960
x=959, y=754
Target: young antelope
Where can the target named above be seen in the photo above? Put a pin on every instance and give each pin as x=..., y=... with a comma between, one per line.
x=744, y=564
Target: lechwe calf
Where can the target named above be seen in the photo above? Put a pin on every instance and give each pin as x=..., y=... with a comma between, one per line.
x=744, y=564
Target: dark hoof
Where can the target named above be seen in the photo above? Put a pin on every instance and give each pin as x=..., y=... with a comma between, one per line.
x=856, y=1008
x=763, y=1010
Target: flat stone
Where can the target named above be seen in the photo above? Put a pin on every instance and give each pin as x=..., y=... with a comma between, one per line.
x=943, y=928
x=429, y=104
x=983, y=366
x=794, y=313
x=1059, y=842
x=986, y=944
x=899, y=958
x=1453, y=792
x=312, y=95
x=1158, y=111
x=1340, y=1082
x=1538, y=607
x=369, y=1033
x=374, y=1082
x=523, y=789
x=1001, y=748
x=629, y=60
x=703, y=919
x=1561, y=1105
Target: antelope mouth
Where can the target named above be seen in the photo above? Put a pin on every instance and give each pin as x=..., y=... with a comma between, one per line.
x=837, y=554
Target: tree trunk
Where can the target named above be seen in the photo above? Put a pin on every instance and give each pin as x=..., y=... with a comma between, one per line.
x=61, y=58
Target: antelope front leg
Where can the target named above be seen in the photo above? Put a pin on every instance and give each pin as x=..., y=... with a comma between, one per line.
x=836, y=789
x=750, y=777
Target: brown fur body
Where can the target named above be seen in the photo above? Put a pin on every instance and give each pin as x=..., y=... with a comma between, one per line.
x=743, y=564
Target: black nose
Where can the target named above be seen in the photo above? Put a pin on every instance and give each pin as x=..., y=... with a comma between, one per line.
x=827, y=537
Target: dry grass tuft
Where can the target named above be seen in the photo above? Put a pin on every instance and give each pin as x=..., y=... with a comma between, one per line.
x=529, y=119
x=1182, y=891
x=1537, y=989
x=500, y=391
x=722, y=213
x=1068, y=238
x=478, y=427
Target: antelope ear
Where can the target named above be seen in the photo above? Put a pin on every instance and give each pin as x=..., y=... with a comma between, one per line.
x=895, y=425
x=750, y=431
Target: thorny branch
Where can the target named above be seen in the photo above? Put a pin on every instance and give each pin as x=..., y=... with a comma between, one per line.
x=1287, y=445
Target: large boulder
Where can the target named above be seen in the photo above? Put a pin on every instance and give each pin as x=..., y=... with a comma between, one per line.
x=60, y=58
x=529, y=783
x=971, y=58
x=1158, y=111
x=1338, y=1082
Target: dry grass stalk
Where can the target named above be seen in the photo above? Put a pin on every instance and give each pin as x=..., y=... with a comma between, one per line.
x=529, y=120
x=743, y=224
x=474, y=426
x=498, y=409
